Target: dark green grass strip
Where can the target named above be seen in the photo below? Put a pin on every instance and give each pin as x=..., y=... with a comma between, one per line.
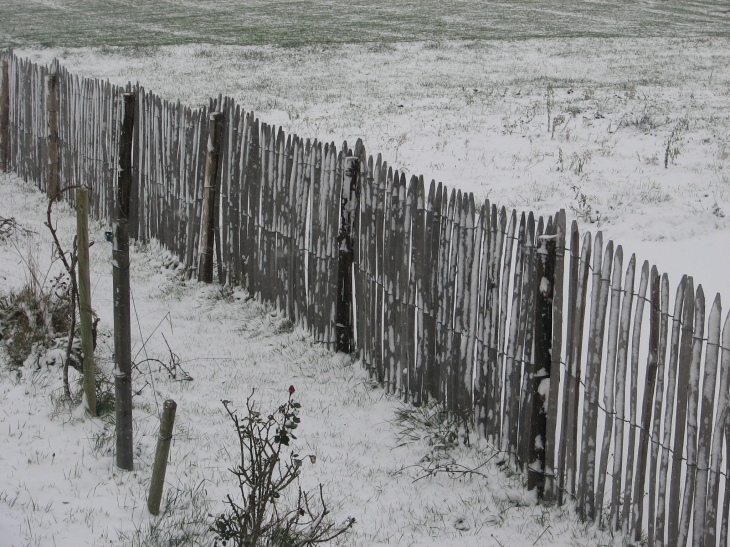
x=83, y=23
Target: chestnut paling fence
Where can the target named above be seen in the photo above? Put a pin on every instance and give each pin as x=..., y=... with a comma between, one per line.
x=567, y=356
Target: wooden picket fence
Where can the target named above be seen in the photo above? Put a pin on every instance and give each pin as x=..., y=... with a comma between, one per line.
x=532, y=335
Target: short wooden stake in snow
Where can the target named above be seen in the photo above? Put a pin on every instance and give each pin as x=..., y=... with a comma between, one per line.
x=5, y=116
x=348, y=210
x=87, y=339
x=52, y=183
x=163, y=450
x=208, y=221
x=122, y=330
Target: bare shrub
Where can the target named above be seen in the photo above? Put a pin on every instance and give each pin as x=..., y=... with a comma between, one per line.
x=257, y=519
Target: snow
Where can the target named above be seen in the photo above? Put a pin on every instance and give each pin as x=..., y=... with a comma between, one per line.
x=473, y=115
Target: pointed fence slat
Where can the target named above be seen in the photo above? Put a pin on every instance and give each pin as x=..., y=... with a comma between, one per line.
x=620, y=392
x=690, y=480
x=705, y=424
x=527, y=320
x=576, y=312
x=663, y=311
x=512, y=365
x=669, y=412
x=683, y=378
x=637, y=505
x=602, y=281
x=556, y=353
x=633, y=397
x=609, y=380
x=713, y=483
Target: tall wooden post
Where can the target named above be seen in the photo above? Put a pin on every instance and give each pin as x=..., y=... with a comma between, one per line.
x=161, y=453
x=348, y=211
x=545, y=280
x=209, y=220
x=5, y=116
x=122, y=330
x=87, y=339
x=52, y=182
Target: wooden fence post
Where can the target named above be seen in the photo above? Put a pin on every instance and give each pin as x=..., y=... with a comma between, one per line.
x=87, y=340
x=122, y=330
x=52, y=182
x=545, y=280
x=167, y=420
x=5, y=117
x=209, y=220
x=348, y=210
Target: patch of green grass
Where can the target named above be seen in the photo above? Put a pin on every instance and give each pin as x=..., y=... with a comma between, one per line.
x=294, y=23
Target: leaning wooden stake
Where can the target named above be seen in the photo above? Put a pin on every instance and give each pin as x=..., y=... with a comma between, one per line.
x=208, y=220
x=348, y=210
x=87, y=339
x=52, y=183
x=163, y=450
x=122, y=330
x=5, y=117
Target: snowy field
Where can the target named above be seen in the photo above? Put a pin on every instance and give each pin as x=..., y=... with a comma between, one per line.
x=474, y=115
x=584, y=121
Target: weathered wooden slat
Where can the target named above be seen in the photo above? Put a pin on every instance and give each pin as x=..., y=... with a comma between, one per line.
x=692, y=415
x=304, y=153
x=650, y=385
x=451, y=297
x=391, y=203
x=683, y=378
x=663, y=319
x=331, y=248
x=588, y=373
x=704, y=437
x=593, y=374
x=527, y=319
x=609, y=379
x=669, y=411
x=419, y=259
x=550, y=493
x=407, y=287
x=462, y=362
x=491, y=338
x=430, y=268
x=481, y=245
x=480, y=376
x=381, y=174
x=504, y=294
x=364, y=259
x=725, y=519
x=713, y=483
x=620, y=392
x=633, y=398
x=512, y=373
x=579, y=284
x=315, y=167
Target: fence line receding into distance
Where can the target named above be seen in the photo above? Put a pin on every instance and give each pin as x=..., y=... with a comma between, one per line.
x=556, y=348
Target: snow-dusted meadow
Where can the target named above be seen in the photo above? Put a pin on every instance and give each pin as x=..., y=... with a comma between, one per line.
x=470, y=114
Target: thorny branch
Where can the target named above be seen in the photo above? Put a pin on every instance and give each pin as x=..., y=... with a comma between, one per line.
x=69, y=263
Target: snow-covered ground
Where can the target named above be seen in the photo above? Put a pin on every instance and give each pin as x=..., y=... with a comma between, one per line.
x=471, y=114
x=60, y=485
